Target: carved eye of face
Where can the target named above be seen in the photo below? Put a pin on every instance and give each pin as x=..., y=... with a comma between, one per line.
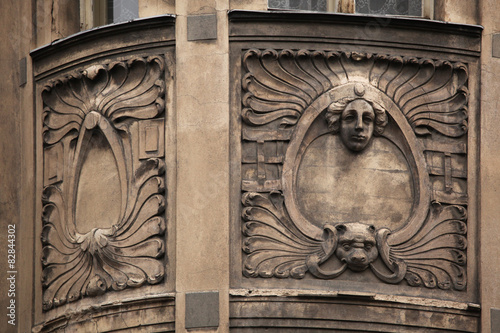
x=346, y=246
x=349, y=116
x=368, y=118
x=368, y=246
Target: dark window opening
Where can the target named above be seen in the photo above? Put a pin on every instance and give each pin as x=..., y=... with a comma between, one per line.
x=114, y=11
x=313, y=5
x=372, y=7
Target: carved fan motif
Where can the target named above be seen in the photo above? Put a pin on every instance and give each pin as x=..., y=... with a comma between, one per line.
x=282, y=84
x=434, y=257
x=288, y=99
x=275, y=246
x=119, y=102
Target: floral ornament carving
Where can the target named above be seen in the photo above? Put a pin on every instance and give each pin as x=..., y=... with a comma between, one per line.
x=114, y=102
x=290, y=98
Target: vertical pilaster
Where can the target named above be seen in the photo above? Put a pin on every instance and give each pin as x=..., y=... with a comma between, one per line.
x=27, y=188
x=55, y=19
x=156, y=7
x=489, y=161
x=16, y=151
x=460, y=11
x=202, y=106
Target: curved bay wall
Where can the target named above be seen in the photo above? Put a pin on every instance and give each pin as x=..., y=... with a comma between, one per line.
x=103, y=104
x=322, y=101
x=384, y=108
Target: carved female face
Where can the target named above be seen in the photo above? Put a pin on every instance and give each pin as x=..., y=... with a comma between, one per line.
x=356, y=124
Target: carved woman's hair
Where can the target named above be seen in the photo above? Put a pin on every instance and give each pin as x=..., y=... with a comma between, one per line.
x=334, y=111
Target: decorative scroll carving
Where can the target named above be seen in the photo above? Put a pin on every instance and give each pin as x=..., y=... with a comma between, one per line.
x=275, y=246
x=96, y=119
x=416, y=107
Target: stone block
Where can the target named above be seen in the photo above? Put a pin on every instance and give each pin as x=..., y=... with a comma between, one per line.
x=201, y=27
x=202, y=309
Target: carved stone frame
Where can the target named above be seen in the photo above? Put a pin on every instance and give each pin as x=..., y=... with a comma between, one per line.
x=117, y=101
x=90, y=56
x=415, y=149
x=298, y=145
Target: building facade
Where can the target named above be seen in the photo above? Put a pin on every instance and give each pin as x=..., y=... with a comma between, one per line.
x=246, y=166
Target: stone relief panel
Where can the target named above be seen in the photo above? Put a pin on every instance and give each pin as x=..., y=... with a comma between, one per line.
x=104, y=188
x=354, y=161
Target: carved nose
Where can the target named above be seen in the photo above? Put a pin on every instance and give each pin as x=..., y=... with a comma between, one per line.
x=359, y=125
x=358, y=259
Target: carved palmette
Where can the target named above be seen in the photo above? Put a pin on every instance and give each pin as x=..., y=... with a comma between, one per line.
x=121, y=104
x=282, y=84
x=288, y=97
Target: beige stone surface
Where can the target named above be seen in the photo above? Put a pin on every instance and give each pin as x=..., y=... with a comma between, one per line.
x=198, y=131
x=489, y=171
x=43, y=23
x=156, y=7
x=56, y=19
x=310, y=190
x=198, y=7
x=335, y=185
x=248, y=4
x=99, y=174
x=16, y=158
x=28, y=195
x=140, y=140
x=202, y=107
x=458, y=11
x=9, y=146
x=104, y=198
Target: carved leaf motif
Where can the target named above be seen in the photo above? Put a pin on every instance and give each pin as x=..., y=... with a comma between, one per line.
x=280, y=85
x=125, y=256
x=289, y=87
x=107, y=98
x=436, y=255
x=133, y=89
x=275, y=247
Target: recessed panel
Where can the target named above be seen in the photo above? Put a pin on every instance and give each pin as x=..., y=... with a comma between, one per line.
x=99, y=194
x=336, y=185
x=369, y=177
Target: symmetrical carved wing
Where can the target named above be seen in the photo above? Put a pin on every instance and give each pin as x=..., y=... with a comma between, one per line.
x=275, y=247
x=117, y=90
x=282, y=84
x=436, y=255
